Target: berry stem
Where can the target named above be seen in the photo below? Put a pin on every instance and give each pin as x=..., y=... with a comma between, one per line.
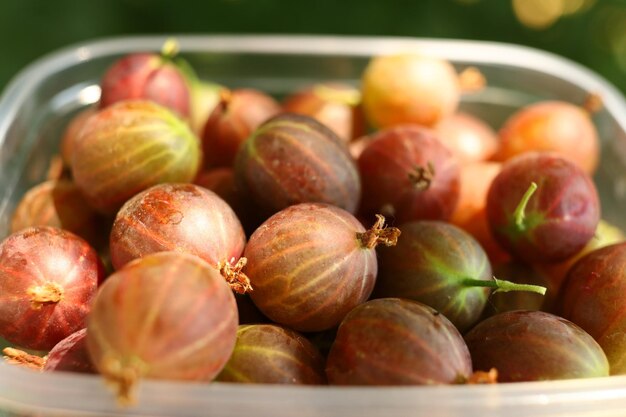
x=47, y=293
x=378, y=233
x=56, y=168
x=519, y=215
x=226, y=96
x=169, y=52
x=170, y=48
x=236, y=278
x=479, y=377
x=421, y=177
x=21, y=358
x=187, y=70
x=501, y=285
x=124, y=377
x=471, y=80
x=593, y=103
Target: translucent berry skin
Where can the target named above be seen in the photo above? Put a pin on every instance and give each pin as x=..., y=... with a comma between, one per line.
x=40, y=257
x=176, y=217
x=429, y=264
x=389, y=172
x=393, y=341
x=146, y=76
x=329, y=103
x=471, y=211
x=165, y=316
x=271, y=354
x=70, y=355
x=204, y=98
x=409, y=88
x=560, y=217
x=468, y=137
x=606, y=234
x=222, y=182
x=61, y=204
x=235, y=117
x=535, y=346
x=554, y=126
x=129, y=147
x=593, y=297
x=307, y=267
x=294, y=159
x=72, y=133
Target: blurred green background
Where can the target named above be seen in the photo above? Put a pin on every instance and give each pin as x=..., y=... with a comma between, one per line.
x=592, y=32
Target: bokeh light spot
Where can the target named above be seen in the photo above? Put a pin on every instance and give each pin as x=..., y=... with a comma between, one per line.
x=538, y=14
x=574, y=6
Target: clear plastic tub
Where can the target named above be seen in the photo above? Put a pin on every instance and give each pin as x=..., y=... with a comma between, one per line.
x=40, y=100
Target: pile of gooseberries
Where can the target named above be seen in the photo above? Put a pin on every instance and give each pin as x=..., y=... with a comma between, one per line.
x=367, y=234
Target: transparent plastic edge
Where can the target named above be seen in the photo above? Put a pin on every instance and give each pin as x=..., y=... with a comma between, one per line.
x=19, y=388
x=18, y=90
x=25, y=390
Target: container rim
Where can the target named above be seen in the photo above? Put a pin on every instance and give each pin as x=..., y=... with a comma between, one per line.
x=24, y=390
x=24, y=83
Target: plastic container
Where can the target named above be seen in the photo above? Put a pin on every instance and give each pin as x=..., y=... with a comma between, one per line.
x=38, y=103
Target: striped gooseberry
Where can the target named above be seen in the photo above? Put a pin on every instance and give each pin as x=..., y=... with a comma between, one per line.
x=441, y=265
x=394, y=341
x=292, y=159
x=128, y=147
x=336, y=105
x=48, y=280
x=535, y=346
x=179, y=217
x=542, y=207
x=271, y=354
x=167, y=315
x=238, y=113
x=59, y=203
x=409, y=174
x=148, y=76
x=311, y=263
x=592, y=296
x=555, y=126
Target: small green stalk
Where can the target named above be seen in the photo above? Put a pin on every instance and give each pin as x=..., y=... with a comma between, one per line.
x=169, y=54
x=170, y=48
x=503, y=286
x=187, y=70
x=519, y=215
